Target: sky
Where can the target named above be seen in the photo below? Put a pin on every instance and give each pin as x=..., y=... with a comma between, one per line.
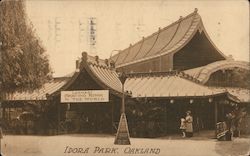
x=64, y=28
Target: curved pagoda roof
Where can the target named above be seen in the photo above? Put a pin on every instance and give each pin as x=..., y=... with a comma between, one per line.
x=166, y=41
x=203, y=73
x=100, y=71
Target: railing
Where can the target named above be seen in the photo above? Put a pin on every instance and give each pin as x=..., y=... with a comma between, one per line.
x=221, y=130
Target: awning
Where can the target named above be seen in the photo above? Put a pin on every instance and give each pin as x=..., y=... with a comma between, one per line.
x=167, y=86
x=39, y=94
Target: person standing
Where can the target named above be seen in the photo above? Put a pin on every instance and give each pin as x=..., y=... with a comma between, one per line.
x=189, y=124
x=183, y=127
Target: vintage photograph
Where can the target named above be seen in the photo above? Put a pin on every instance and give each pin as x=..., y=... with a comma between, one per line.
x=124, y=78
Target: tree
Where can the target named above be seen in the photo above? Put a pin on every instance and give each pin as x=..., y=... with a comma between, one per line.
x=24, y=64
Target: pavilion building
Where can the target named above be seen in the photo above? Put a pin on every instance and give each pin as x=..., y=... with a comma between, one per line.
x=176, y=69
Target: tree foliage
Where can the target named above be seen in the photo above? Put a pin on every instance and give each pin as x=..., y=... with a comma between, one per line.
x=24, y=64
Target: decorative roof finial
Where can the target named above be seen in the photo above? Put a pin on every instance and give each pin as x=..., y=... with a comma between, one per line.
x=112, y=64
x=195, y=10
x=180, y=18
x=107, y=62
x=84, y=56
x=77, y=65
x=97, y=59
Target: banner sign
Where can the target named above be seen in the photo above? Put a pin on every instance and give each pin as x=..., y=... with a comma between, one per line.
x=80, y=96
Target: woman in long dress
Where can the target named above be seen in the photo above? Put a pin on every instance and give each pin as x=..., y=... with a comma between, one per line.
x=189, y=124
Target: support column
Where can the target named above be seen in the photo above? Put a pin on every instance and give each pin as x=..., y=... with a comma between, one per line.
x=4, y=112
x=222, y=111
x=9, y=114
x=1, y=137
x=58, y=117
x=166, y=124
x=112, y=116
x=215, y=117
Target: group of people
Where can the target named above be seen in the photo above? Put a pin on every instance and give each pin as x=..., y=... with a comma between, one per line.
x=186, y=126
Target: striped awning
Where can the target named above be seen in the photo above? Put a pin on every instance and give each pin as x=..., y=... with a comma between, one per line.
x=167, y=86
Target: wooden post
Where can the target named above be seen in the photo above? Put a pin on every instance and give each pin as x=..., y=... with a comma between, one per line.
x=58, y=117
x=222, y=110
x=215, y=117
x=1, y=137
x=166, y=124
x=123, y=99
x=4, y=112
x=112, y=115
x=9, y=114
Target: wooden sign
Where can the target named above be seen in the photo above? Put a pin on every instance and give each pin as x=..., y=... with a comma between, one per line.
x=81, y=96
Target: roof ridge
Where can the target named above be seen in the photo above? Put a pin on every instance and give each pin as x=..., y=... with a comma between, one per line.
x=161, y=52
x=166, y=73
x=96, y=61
x=192, y=22
x=166, y=27
x=180, y=19
x=145, y=74
x=189, y=77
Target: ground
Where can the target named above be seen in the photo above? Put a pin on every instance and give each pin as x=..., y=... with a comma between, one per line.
x=99, y=145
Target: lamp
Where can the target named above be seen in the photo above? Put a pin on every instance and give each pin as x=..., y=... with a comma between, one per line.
x=210, y=100
x=122, y=135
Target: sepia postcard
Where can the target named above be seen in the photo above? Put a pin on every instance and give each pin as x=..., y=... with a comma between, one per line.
x=124, y=78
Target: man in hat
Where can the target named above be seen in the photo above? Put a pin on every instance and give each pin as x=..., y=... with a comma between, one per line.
x=189, y=124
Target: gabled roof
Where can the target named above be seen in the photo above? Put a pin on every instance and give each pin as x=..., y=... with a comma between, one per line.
x=203, y=73
x=167, y=86
x=167, y=40
x=101, y=72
